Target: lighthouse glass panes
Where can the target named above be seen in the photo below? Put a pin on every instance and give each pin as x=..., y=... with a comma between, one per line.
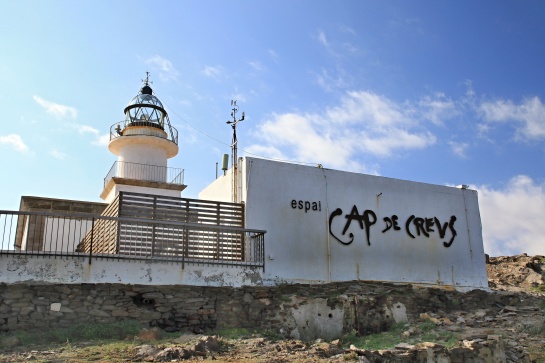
x=146, y=110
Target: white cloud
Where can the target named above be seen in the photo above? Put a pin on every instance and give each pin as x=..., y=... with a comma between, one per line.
x=459, y=148
x=323, y=39
x=164, y=66
x=512, y=217
x=256, y=65
x=213, y=71
x=273, y=54
x=438, y=108
x=98, y=140
x=330, y=82
x=102, y=140
x=56, y=109
x=85, y=129
x=363, y=123
x=529, y=116
x=270, y=151
x=470, y=92
x=14, y=141
x=346, y=29
x=377, y=111
x=238, y=96
x=58, y=154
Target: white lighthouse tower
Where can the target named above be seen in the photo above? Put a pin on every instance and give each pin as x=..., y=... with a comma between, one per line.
x=143, y=143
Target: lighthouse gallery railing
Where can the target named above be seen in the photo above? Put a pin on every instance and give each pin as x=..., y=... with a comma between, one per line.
x=154, y=173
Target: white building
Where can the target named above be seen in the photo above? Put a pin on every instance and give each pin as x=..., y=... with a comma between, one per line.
x=327, y=225
x=321, y=225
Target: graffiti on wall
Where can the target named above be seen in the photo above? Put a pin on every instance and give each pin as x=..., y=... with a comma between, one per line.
x=414, y=226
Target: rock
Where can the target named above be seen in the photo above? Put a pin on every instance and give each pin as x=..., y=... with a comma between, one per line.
x=399, y=312
x=436, y=321
x=327, y=350
x=11, y=342
x=207, y=343
x=424, y=316
x=404, y=346
x=186, y=338
x=172, y=354
x=145, y=351
x=151, y=334
x=99, y=313
x=425, y=345
x=493, y=337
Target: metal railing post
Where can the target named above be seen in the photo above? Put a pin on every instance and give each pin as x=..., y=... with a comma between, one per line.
x=91, y=244
x=153, y=227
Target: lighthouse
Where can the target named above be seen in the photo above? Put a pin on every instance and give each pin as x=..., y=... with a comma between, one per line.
x=143, y=142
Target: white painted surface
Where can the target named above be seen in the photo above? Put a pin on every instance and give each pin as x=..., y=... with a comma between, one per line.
x=57, y=234
x=77, y=270
x=141, y=147
x=300, y=248
x=64, y=235
x=217, y=189
x=25, y=234
x=137, y=189
x=126, y=146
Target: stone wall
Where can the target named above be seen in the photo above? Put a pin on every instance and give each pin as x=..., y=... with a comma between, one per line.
x=299, y=311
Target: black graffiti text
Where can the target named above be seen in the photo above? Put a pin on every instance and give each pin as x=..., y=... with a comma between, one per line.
x=391, y=222
x=425, y=226
x=414, y=226
x=365, y=221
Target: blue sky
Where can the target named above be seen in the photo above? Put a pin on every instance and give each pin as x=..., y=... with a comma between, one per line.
x=448, y=92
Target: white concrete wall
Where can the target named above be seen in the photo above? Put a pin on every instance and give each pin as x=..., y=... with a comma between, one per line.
x=77, y=270
x=64, y=235
x=220, y=189
x=296, y=204
x=147, y=154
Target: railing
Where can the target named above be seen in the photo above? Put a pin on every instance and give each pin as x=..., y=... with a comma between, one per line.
x=140, y=127
x=83, y=235
x=162, y=174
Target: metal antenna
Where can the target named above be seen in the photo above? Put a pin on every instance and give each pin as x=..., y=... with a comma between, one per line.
x=234, y=143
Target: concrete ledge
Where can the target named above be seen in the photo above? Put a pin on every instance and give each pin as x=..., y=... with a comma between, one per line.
x=139, y=183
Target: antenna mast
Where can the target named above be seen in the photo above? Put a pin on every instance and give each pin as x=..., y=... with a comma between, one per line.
x=234, y=143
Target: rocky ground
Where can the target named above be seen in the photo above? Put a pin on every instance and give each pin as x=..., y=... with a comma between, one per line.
x=520, y=328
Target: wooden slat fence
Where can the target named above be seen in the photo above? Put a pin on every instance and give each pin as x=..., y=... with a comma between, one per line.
x=104, y=233
x=158, y=240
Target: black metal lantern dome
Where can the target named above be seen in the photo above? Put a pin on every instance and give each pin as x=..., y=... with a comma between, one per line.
x=145, y=115
x=146, y=110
